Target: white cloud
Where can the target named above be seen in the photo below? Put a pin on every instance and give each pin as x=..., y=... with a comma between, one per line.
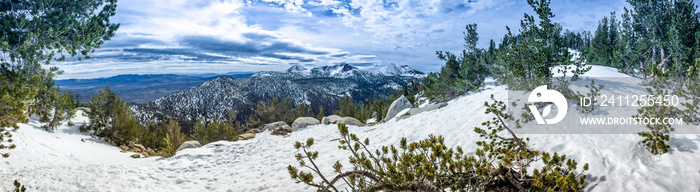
x=159, y=36
x=324, y=2
x=290, y=5
x=167, y=20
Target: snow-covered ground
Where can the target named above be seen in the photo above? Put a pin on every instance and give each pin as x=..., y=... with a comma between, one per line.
x=60, y=161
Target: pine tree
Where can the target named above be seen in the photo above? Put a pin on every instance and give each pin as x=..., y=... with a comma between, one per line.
x=104, y=107
x=45, y=99
x=301, y=110
x=593, y=93
x=491, y=52
x=659, y=35
x=231, y=116
x=347, y=107
x=627, y=54
x=213, y=131
x=659, y=133
x=19, y=187
x=527, y=58
x=126, y=127
x=690, y=91
x=64, y=108
x=600, y=46
x=500, y=164
x=380, y=108
x=173, y=138
x=320, y=114
x=201, y=133
x=460, y=74
x=28, y=40
x=684, y=23
x=614, y=36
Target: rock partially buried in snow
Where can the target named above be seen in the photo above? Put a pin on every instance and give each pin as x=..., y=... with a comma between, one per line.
x=398, y=105
x=416, y=111
x=273, y=126
x=333, y=119
x=136, y=156
x=302, y=122
x=351, y=121
x=151, y=152
x=283, y=130
x=134, y=149
x=254, y=131
x=140, y=147
x=246, y=136
x=123, y=147
x=189, y=144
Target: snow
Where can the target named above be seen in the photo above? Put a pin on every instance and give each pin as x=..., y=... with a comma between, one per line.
x=344, y=70
x=59, y=161
x=393, y=69
x=596, y=71
x=296, y=68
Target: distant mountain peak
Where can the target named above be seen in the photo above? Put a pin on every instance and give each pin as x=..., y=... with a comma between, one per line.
x=296, y=68
x=323, y=86
x=338, y=68
x=393, y=69
x=343, y=70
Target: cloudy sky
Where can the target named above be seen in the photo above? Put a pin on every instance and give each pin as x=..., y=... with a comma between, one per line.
x=200, y=36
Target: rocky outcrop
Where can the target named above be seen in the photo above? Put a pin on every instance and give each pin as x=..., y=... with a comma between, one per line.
x=273, y=126
x=333, y=119
x=189, y=144
x=397, y=106
x=140, y=147
x=351, y=121
x=137, y=148
x=134, y=149
x=136, y=156
x=254, y=131
x=283, y=130
x=416, y=111
x=246, y=136
x=151, y=152
x=302, y=122
x=276, y=128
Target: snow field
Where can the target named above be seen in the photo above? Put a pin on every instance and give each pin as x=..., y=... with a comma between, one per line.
x=59, y=161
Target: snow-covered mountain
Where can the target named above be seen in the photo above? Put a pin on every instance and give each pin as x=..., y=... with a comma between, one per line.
x=344, y=70
x=403, y=70
x=339, y=70
x=59, y=161
x=296, y=68
x=322, y=86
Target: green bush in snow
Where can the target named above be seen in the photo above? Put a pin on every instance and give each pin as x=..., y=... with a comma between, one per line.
x=500, y=164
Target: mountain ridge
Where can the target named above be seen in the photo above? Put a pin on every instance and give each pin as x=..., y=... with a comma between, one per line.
x=321, y=86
